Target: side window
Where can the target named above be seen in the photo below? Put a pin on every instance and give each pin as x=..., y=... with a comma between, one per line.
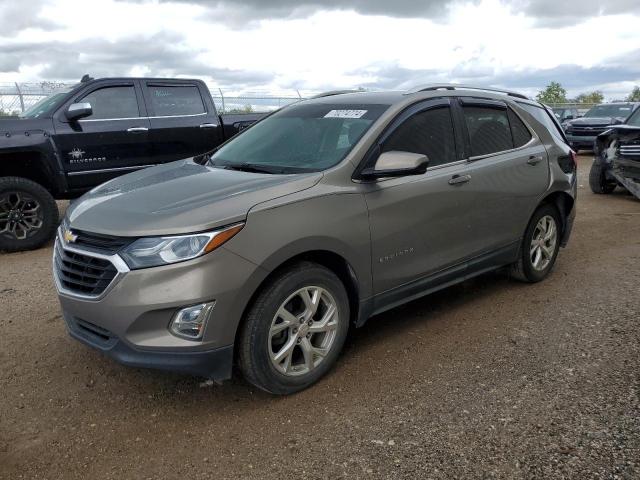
x=429, y=132
x=520, y=132
x=488, y=128
x=544, y=118
x=175, y=100
x=113, y=102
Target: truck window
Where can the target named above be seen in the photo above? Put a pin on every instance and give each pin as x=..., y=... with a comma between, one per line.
x=167, y=100
x=113, y=102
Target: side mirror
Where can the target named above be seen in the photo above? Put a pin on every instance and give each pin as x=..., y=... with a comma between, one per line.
x=77, y=111
x=569, y=117
x=397, y=164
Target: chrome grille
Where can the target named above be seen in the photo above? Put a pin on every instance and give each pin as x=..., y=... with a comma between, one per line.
x=630, y=150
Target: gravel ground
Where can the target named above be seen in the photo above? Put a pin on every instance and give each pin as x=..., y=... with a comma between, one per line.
x=488, y=379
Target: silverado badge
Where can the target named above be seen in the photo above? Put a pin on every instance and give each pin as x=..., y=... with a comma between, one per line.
x=76, y=153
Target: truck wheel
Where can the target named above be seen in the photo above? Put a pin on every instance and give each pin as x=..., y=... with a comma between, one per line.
x=540, y=246
x=295, y=329
x=28, y=214
x=598, y=178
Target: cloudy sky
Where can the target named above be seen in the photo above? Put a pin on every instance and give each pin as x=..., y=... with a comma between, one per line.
x=311, y=45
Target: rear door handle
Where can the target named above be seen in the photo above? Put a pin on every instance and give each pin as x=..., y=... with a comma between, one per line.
x=208, y=125
x=457, y=179
x=137, y=129
x=534, y=160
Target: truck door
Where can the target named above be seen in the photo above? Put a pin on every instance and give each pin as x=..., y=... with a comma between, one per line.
x=112, y=141
x=183, y=124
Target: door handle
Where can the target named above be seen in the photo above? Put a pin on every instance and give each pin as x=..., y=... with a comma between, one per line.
x=458, y=179
x=137, y=129
x=208, y=125
x=534, y=160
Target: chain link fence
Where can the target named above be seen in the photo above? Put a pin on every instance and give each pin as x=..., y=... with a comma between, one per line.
x=15, y=98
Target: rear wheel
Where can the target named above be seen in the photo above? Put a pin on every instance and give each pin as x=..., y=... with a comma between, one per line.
x=540, y=246
x=598, y=178
x=28, y=214
x=295, y=329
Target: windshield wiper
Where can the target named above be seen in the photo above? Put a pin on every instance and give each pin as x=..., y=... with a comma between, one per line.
x=251, y=167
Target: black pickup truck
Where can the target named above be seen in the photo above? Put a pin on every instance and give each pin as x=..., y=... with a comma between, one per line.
x=79, y=138
x=617, y=158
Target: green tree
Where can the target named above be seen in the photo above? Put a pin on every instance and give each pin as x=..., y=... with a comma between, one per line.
x=553, y=93
x=634, y=96
x=590, y=97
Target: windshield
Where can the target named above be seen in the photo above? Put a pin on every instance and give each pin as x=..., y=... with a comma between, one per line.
x=306, y=137
x=46, y=105
x=610, y=110
x=634, y=120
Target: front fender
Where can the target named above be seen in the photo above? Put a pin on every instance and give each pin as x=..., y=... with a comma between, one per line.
x=335, y=223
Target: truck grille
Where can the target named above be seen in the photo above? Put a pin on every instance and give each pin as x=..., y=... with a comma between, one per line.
x=586, y=131
x=83, y=274
x=630, y=150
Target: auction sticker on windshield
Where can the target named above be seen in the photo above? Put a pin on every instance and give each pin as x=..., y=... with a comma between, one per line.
x=345, y=114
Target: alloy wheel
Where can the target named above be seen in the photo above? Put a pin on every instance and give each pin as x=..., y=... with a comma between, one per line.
x=20, y=215
x=303, y=331
x=543, y=243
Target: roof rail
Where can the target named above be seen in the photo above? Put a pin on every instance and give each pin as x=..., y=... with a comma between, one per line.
x=331, y=93
x=456, y=86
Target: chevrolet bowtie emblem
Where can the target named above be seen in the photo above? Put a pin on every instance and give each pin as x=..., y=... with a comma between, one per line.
x=69, y=237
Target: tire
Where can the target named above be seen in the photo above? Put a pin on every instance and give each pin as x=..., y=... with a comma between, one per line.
x=28, y=215
x=598, y=178
x=260, y=350
x=525, y=269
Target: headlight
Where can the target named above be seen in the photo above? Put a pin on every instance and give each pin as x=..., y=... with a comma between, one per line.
x=154, y=251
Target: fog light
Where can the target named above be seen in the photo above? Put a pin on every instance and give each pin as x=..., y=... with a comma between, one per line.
x=190, y=322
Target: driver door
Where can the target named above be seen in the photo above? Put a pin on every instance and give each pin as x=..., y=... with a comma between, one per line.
x=419, y=223
x=112, y=141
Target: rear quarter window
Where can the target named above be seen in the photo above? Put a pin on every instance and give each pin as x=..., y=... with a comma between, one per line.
x=542, y=116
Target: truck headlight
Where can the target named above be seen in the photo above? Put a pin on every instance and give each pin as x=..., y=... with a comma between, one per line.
x=155, y=251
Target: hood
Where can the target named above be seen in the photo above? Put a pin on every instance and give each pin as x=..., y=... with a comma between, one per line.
x=17, y=125
x=179, y=197
x=594, y=121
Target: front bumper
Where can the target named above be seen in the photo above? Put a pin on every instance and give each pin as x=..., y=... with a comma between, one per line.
x=581, y=141
x=215, y=364
x=130, y=320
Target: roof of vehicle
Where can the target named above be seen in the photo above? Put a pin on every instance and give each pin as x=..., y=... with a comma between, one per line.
x=155, y=79
x=431, y=91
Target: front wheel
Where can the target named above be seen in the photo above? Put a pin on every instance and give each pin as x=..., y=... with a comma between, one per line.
x=28, y=214
x=540, y=246
x=295, y=329
x=598, y=178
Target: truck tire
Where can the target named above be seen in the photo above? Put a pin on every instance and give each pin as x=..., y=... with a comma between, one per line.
x=28, y=215
x=598, y=178
x=295, y=329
